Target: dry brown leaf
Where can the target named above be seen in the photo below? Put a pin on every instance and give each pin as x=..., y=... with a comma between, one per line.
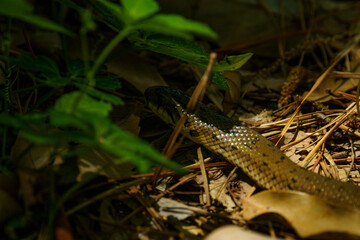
x=131, y=124
x=195, y=230
x=169, y=207
x=43, y=42
x=232, y=232
x=265, y=116
x=337, y=85
x=33, y=160
x=127, y=117
x=233, y=96
x=136, y=71
x=37, y=157
x=293, y=151
x=103, y=163
x=321, y=94
x=307, y=214
x=216, y=185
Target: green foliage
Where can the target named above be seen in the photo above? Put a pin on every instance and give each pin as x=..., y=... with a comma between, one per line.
x=189, y=52
x=140, y=15
x=73, y=100
x=176, y=25
x=77, y=102
x=43, y=65
x=139, y=9
x=81, y=114
x=21, y=9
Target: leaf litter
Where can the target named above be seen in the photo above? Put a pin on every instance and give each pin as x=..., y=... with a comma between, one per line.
x=122, y=204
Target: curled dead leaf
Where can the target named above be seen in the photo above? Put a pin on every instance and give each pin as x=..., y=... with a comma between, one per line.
x=231, y=232
x=307, y=214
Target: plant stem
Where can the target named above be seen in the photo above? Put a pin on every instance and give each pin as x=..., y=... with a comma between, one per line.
x=5, y=44
x=105, y=53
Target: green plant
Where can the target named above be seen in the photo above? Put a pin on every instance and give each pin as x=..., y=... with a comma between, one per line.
x=81, y=114
x=132, y=19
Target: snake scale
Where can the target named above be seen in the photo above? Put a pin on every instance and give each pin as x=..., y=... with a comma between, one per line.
x=261, y=160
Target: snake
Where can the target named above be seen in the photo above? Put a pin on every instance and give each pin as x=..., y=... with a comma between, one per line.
x=256, y=156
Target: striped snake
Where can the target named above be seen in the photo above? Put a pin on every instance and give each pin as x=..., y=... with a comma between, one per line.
x=261, y=160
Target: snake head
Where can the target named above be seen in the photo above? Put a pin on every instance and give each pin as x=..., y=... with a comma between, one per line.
x=167, y=103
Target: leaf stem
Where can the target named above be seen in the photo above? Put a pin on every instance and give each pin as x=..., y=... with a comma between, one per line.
x=105, y=53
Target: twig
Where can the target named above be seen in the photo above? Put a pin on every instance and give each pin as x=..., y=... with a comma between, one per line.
x=194, y=101
x=336, y=126
x=342, y=54
x=205, y=178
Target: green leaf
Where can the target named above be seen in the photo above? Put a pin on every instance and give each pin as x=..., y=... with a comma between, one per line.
x=40, y=138
x=100, y=95
x=71, y=4
x=55, y=82
x=21, y=9
x=116, y=9
x=15, y=6
x=139, y=9
x=76, y=68
x=175, y=47
x=77, y=102
x=137, y=151
x=219, y=79
x=100, y=133
x=112, y=15
x=41, y=64
x=22, y=121
x=231, y=63
x=61, y=119
x=89, y=128
x=187, y=51
x=24, y=124
x=13, y=121
x=176, y=25
x=153, y=27
x=107, y=82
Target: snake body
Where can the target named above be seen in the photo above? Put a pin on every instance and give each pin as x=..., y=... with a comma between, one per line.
x=261, y=160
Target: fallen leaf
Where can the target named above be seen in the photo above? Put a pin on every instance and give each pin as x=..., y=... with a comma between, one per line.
x=34, y=159
x=136, y=71
x=231, y=232
x=265, y=116
x=233, y=96
x=194, y=230
x=218, y=192
x=181, y=211
x=307, y=214
x=335, y=85
x=126, y=116
x=294, y=152
x=37, y=157
x=103, y=163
